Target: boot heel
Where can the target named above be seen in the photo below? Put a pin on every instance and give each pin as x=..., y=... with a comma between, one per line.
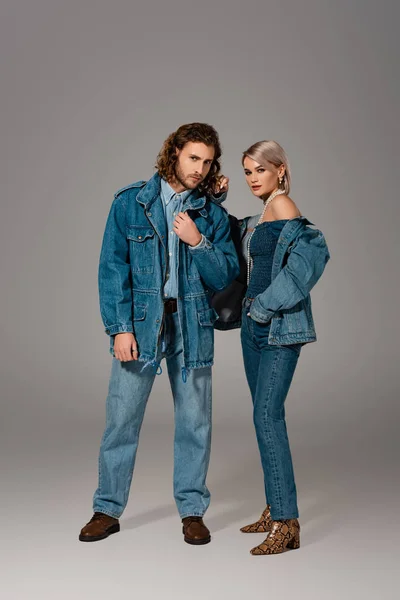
x=294, y=543
x=285, y=535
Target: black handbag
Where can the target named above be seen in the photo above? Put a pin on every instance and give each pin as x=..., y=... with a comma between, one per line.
x=228, y=302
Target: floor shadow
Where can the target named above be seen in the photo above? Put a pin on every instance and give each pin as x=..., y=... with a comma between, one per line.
x=228, y=518
x=150, y=516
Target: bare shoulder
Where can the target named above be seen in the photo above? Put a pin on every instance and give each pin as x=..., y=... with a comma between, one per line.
x=283, y=207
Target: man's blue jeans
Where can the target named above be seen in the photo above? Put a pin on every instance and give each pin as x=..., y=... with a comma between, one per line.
x=269, y=371
x=129, y=388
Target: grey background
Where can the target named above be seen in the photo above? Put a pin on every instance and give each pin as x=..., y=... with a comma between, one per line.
x=90, y=89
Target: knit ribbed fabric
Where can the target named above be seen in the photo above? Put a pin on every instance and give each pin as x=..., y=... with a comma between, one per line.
x=262, y=249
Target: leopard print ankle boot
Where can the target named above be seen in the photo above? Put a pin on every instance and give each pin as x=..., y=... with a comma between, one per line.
x=284, y=535
x=263, y=525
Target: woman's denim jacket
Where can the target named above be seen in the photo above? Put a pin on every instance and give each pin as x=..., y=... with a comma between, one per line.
x=300, y=258
x=133, y=265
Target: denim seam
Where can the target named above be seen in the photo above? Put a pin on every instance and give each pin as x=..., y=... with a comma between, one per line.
x=117, y=475
x=270, y=443
x=129, y=478
x=100, y=453
x=209, y=395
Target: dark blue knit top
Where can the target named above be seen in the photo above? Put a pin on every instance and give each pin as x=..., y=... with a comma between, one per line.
x=262, y=250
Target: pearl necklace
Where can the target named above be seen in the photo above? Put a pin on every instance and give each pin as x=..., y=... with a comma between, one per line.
x=260, y=220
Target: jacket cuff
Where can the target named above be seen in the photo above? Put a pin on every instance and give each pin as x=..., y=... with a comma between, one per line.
x=257, y=313
x=218, y=198
x=204, y=243
x=118, y=328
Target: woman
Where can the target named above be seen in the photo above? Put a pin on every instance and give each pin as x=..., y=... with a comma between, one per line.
x=285, y=258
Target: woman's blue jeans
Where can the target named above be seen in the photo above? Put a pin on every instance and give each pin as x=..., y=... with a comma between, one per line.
x=269, y=371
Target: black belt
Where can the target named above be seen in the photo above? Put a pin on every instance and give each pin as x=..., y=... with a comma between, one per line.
x=170, y=306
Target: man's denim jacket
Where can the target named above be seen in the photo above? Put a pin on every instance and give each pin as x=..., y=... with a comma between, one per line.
x=132, y=271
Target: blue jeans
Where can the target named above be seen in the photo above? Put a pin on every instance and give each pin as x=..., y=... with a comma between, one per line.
x=129, y=388
x=269, y=371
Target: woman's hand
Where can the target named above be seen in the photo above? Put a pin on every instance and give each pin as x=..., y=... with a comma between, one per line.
x=222, y=185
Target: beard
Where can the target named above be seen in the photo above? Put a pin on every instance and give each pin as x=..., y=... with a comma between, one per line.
x=185, y=180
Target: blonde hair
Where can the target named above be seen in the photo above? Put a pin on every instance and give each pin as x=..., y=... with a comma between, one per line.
x=268, y=153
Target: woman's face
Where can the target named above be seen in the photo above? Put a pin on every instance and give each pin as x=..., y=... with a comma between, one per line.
x=260, y=180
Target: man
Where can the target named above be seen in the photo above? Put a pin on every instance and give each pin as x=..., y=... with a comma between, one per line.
x=166, y=249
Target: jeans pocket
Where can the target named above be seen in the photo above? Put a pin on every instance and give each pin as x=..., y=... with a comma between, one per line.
x=262, y=328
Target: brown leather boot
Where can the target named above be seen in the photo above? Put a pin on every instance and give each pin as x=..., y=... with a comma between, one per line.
x=263, y=525
x=195, y=532
x=99, y=527
x=285, y=535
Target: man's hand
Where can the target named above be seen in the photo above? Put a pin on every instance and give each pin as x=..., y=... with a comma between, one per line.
x=185, y=228
x=222, y=185
x=125, y=347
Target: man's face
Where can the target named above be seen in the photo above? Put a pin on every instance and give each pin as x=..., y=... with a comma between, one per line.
x=193, y=164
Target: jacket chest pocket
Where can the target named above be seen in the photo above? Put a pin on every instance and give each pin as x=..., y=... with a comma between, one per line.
x=141, y=248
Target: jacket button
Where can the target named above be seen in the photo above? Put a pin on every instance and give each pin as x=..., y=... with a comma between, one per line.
x=149, y=214
x=139, y=237
x=158, y=320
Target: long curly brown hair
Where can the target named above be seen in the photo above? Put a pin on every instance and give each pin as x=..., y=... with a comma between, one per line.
x=192, y=132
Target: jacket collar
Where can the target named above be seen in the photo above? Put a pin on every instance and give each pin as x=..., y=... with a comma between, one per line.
x=151, y=191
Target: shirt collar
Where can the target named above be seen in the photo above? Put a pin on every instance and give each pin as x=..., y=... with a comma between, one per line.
x=170, y=194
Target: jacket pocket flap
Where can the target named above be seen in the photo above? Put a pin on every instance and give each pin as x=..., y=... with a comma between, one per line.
x=139, y=312
x=139, y=234
x=207, y=317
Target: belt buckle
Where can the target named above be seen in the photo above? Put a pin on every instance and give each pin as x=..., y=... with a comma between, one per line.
x=170, y=306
